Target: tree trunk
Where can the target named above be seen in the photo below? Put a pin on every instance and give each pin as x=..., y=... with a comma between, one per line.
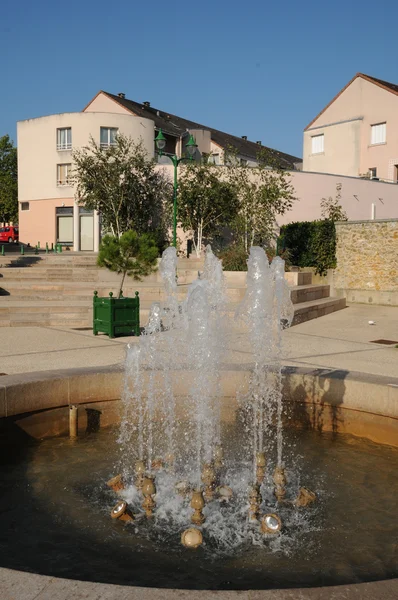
x=121, y=285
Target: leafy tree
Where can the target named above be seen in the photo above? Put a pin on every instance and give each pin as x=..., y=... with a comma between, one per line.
x=8, y=180
x=121, y=183
x=206, y=202
x=332, y=209
x=130, y=254
x=263, y=192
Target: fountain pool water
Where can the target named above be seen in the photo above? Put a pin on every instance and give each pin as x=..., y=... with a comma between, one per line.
x=188, y=410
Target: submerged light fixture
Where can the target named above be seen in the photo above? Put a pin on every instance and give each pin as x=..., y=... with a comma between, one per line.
x=271, y=523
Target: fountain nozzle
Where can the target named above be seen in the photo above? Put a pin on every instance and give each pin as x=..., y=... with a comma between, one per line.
x=280, y=481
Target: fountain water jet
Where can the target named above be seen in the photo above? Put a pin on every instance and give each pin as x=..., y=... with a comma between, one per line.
x=187, y=340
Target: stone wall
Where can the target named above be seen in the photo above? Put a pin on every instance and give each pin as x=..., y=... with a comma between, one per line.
x=367, y=261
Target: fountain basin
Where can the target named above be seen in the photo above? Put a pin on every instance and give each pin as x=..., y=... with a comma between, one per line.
x=36, y=405
x=320, y=399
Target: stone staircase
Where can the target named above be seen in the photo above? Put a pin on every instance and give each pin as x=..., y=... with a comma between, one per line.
x=57, y=290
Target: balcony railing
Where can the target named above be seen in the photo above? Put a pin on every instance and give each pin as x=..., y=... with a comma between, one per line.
x=64, y=146
x=64, y=182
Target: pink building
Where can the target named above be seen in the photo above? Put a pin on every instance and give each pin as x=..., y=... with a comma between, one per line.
x=356, y=134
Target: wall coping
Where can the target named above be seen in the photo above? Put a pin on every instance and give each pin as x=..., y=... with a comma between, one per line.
x=367, y=221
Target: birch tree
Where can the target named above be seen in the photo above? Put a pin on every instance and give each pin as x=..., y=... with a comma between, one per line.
x=206, y=202
x=121, y=183
x=263, y=192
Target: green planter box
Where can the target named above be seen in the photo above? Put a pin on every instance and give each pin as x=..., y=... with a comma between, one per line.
x=116, y=316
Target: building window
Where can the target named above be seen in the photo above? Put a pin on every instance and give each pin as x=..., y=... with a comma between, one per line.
x=317, y=144
x=64, y=174
x=215, y=159
x=378, y=133
x=64, y=138
x=24, y=205
x=243, y=162
x=108, y=136
x=373, y=172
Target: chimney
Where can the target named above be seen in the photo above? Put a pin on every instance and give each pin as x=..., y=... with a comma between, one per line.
x=121, y=95
x=146, y=104
x=258, y=142
x=244, y=137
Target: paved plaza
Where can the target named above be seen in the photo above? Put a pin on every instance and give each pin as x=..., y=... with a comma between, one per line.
x=341, y=340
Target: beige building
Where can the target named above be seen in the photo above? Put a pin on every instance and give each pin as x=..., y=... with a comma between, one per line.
x=356, y=134
x=47, y=208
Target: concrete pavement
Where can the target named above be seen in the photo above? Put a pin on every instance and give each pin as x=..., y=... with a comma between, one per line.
x=341, y=340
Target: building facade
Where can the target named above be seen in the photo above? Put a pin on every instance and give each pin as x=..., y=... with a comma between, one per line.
x=356, y=134
x=47, y=208
x=48, y=212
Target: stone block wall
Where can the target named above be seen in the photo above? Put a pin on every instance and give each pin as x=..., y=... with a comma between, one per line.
x=367, y=261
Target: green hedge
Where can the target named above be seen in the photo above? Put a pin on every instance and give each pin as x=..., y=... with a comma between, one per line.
x=310, y=244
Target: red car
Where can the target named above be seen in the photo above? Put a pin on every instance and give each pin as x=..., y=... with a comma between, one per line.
x=9, y=234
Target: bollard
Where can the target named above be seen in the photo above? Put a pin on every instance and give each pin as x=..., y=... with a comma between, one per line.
x=22, y=250
x=38, y=244
x=2, y=251
x=52, y=246
x=73, y=421
x=46, y=247
x=36, y=250
x=60, y=248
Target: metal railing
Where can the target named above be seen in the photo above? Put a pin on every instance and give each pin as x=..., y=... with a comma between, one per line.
x=64, y=146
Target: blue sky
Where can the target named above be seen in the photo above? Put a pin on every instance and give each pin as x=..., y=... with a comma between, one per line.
x=258, y=68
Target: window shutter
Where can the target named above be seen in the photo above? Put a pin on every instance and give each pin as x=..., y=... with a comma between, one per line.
x=317, y=144
x=378, y=133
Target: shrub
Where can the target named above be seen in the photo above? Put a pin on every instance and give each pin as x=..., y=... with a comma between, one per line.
x=234, y=258
x=131, y=254
x=310, y=244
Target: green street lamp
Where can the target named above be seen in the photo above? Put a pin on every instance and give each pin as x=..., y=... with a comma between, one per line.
x=191, y=146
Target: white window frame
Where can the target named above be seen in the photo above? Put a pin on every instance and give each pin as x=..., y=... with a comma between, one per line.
x=64, y=145
x=318, y=144
x=108, y=143
x=378, y=134
x=68, y=172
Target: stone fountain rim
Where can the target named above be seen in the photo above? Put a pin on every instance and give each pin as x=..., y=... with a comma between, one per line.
x=16, y=583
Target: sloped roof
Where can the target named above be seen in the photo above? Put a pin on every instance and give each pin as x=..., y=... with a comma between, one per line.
x=174, y=125
x=389, y=87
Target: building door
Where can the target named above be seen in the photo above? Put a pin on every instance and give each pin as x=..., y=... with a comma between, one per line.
x=86, y=230
x=64, y=217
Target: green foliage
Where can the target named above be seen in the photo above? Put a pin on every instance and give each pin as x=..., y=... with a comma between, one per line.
x=310, y=244
x=234, y=258
x=263, y=192
x=332, y=209
x=8, y=180
x=206, y=202
x=121, y=182
x=132, y=254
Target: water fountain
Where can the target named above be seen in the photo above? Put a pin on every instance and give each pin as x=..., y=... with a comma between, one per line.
x=190, y=338
x=192, y=481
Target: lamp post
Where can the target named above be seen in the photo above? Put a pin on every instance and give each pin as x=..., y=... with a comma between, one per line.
x=191, y=146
